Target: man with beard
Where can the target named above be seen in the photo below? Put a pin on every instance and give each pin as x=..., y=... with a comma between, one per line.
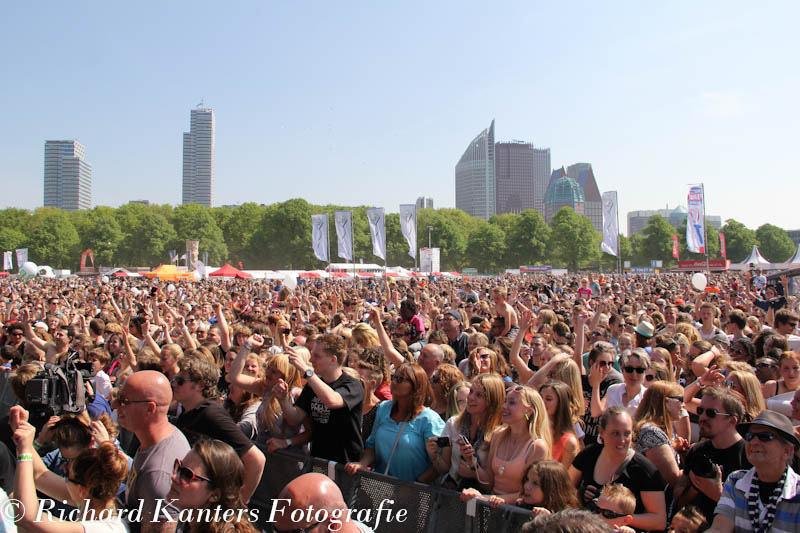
x=710, y=462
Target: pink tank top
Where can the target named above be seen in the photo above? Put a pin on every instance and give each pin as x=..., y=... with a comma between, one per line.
x=558, y=446
x=509, y=475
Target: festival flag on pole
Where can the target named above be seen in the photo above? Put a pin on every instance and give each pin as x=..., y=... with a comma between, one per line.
x=7, y=264
x=610, y=231
x=377, y=228
x=319, y=236
x=172, y=255
x=722, y=249
x=408, y=226
x=675, y=252
x=22, y=256
x=344, y=234
x=695, y=221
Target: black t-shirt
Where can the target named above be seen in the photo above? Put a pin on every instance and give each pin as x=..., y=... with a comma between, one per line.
x=210, y=420
x=460, y=346
x=640, y=475
x=775, y=303
x=335, y=434
x=590, y=423
x=729, y=459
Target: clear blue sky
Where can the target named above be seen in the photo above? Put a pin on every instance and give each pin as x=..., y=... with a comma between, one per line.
x=374, y=102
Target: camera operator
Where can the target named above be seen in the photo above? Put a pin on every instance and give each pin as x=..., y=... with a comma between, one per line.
x=710, y=461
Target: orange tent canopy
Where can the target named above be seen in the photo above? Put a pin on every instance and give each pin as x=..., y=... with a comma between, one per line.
x=169, y=273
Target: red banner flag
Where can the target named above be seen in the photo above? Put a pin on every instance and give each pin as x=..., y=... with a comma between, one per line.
x=675, y=247
x=722, y=249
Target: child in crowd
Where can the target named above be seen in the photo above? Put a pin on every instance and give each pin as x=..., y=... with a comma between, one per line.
x=688, y=520
x=547, y=489
x=615, y=505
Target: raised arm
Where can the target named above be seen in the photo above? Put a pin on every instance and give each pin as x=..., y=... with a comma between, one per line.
x=237, y=376
x=525, y=373
x=224, y=332
x=391, y=354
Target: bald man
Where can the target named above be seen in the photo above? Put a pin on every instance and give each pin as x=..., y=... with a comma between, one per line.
x=319, y=491
x=142, y=406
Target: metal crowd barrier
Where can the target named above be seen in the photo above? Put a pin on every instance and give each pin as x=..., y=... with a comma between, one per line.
x=429, y=508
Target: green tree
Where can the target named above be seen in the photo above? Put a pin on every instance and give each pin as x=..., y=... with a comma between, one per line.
x=238, y=229
x=486, y=247
x=739, y=240
x=625, y=251
x=147, y=235
x=527, y=240
x=285, y=236
x=447, y=235
x=101, y=233
x=657, y=243
x=11, y=239
x=195, y=222
x=638, y=253
x=774, y=243
x=54, y=241
x=574, y=241
x=14, y=218
x=396, y=245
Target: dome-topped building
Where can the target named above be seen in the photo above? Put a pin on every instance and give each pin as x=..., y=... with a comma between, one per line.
x=563, y=192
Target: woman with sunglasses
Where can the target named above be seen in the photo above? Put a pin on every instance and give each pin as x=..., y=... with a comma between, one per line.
x=444, y=378
x=482, y=360
x=627, y=394
x=92, y=481
x=469, y=433
x=746, y=386
x=403, y=425
x=654, y=432
x=208, y=481
x=614, y=461
x=523, y=439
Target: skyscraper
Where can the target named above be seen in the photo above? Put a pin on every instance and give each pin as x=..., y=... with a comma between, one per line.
x=67, y=177
x=424, y=202
x=198, y=159
x=593, y=206
x=541, y=176
x=475, y=183
x=521, y=171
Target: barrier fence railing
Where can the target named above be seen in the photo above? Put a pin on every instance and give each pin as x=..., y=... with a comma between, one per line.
x=427, y=508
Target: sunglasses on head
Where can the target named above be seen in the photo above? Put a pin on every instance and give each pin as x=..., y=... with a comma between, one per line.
x=632, y=369
x=185, y=474
x=710, y=413
x=763, y=436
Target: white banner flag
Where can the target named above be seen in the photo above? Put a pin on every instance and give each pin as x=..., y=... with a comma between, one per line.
x=344, y=234
x=22, y=256
x=408, y=226
x=610, y=230
x=377, y=228
x=695, y=222
x=319, y=236
x=7, y=265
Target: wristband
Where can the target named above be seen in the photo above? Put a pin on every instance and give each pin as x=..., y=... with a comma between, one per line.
x=25, y=458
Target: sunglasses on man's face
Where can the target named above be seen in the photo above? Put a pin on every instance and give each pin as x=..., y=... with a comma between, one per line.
x=710, y=413
x=632, y=369
x=763, y=436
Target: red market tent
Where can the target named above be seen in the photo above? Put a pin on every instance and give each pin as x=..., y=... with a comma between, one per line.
x=230, y=272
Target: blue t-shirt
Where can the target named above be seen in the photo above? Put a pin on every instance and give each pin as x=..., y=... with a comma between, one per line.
x=410, y=458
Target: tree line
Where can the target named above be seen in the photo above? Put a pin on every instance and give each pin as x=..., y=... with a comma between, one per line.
x=278, y=236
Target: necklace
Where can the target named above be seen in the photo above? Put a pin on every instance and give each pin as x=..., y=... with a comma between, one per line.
x=510, y=456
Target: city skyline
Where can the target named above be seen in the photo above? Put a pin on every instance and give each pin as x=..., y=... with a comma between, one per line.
x=198, y=159
x=67, y=180
x=688, y=93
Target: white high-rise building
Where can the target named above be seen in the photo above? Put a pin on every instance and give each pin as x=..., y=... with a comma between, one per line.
x=67, y=177
x=198, y=159
x=475, y=180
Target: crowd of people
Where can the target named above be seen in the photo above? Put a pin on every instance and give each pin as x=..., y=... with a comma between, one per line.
x=639, y=400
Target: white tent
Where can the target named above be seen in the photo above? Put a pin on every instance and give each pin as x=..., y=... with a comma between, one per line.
x=794, y=260
x=755, y=258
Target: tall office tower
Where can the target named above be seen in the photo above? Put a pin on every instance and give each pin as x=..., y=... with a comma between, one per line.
x=475, y=183
x=541, y=177
x=198, y=159
x=424, y=202
x=573, y=171
x=67, y=177
x=513, y=166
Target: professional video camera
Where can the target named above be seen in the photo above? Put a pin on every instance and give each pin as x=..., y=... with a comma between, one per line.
x=59, y=389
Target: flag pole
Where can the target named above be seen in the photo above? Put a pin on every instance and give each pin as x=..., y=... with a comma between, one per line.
x=705, y=229
x=619, y=250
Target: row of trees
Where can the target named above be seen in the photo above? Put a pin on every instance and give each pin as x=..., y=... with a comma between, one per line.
x=278, y=236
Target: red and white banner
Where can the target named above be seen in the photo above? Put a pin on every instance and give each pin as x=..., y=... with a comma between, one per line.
x=722, y=249
x=675, y=253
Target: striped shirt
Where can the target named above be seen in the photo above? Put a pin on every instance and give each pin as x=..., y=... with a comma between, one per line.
x=733, y=503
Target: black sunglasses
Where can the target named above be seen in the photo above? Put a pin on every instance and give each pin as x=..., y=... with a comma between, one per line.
x=606, y=513
x=710, y=413
x=763, y=436
x=632, y=369
x=765, y=365
x=180, y=380
x=400, y=379
x=650, y=377
x=603, y=364
x=185, y=474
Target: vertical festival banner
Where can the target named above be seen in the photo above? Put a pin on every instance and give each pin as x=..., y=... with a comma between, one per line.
x=675, y=252
x=610, y=231
x=22, y=256
x=344, y=234
x=7, y=260
x=408, y=226
x=377, y=229
x=695, y=221
x=723, y=250
x=319, y=236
